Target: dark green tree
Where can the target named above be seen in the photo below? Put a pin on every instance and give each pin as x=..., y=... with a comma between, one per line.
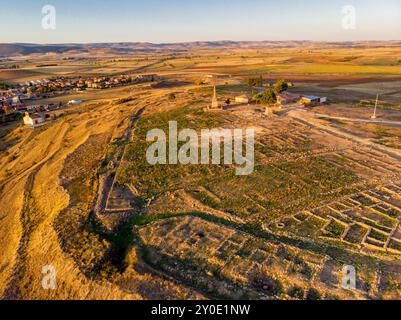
x=266, y=98
x=281, y=86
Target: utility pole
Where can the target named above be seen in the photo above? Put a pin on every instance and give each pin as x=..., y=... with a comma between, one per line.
x=377, y=101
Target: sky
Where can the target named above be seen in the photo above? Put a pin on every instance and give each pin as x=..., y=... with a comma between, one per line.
x=166, y=21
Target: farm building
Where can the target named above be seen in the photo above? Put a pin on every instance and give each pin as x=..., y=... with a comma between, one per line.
x=310, y=100
x=215, y=76
x=287, y=98
x=71, y=102
x=242, y=99
x=34, y=120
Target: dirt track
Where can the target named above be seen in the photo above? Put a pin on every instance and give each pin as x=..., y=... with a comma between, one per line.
x=310, y=119
x=396, y=123
x=12, y=291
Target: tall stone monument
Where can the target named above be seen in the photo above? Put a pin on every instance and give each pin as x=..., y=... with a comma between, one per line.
x=215, y=101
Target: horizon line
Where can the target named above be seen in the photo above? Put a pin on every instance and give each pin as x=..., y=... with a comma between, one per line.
x=197, y=41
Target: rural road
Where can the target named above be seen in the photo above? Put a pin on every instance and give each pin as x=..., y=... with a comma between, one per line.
x=319, y=115
x=313, y=120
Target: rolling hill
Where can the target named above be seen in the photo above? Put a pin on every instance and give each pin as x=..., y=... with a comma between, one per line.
x=17, y=49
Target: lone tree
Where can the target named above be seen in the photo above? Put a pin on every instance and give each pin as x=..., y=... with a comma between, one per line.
x=281, y=86
x=267, y=97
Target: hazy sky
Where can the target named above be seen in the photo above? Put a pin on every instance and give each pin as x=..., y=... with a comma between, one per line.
x=193, y=20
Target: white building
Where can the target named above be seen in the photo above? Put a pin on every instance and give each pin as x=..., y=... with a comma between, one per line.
x=242, y=99
x=74, y=101
x=35, y=120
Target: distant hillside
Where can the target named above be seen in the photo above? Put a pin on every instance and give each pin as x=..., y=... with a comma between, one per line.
x=27, y=49
x=16, y=49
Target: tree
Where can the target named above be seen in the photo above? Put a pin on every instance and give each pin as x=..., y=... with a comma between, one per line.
x=281, y=86
x=254, y=82
x=267, y=97
x=228, y=101
x=256, y=96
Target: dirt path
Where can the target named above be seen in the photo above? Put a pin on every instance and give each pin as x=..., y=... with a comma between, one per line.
x=310, y=119
x=396, y=123
x=12, y=291
x=143, y=68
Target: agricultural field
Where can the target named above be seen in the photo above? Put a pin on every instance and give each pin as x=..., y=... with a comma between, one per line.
x=78, y=193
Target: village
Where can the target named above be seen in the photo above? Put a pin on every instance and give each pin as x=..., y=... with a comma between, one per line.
x=16, y=101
